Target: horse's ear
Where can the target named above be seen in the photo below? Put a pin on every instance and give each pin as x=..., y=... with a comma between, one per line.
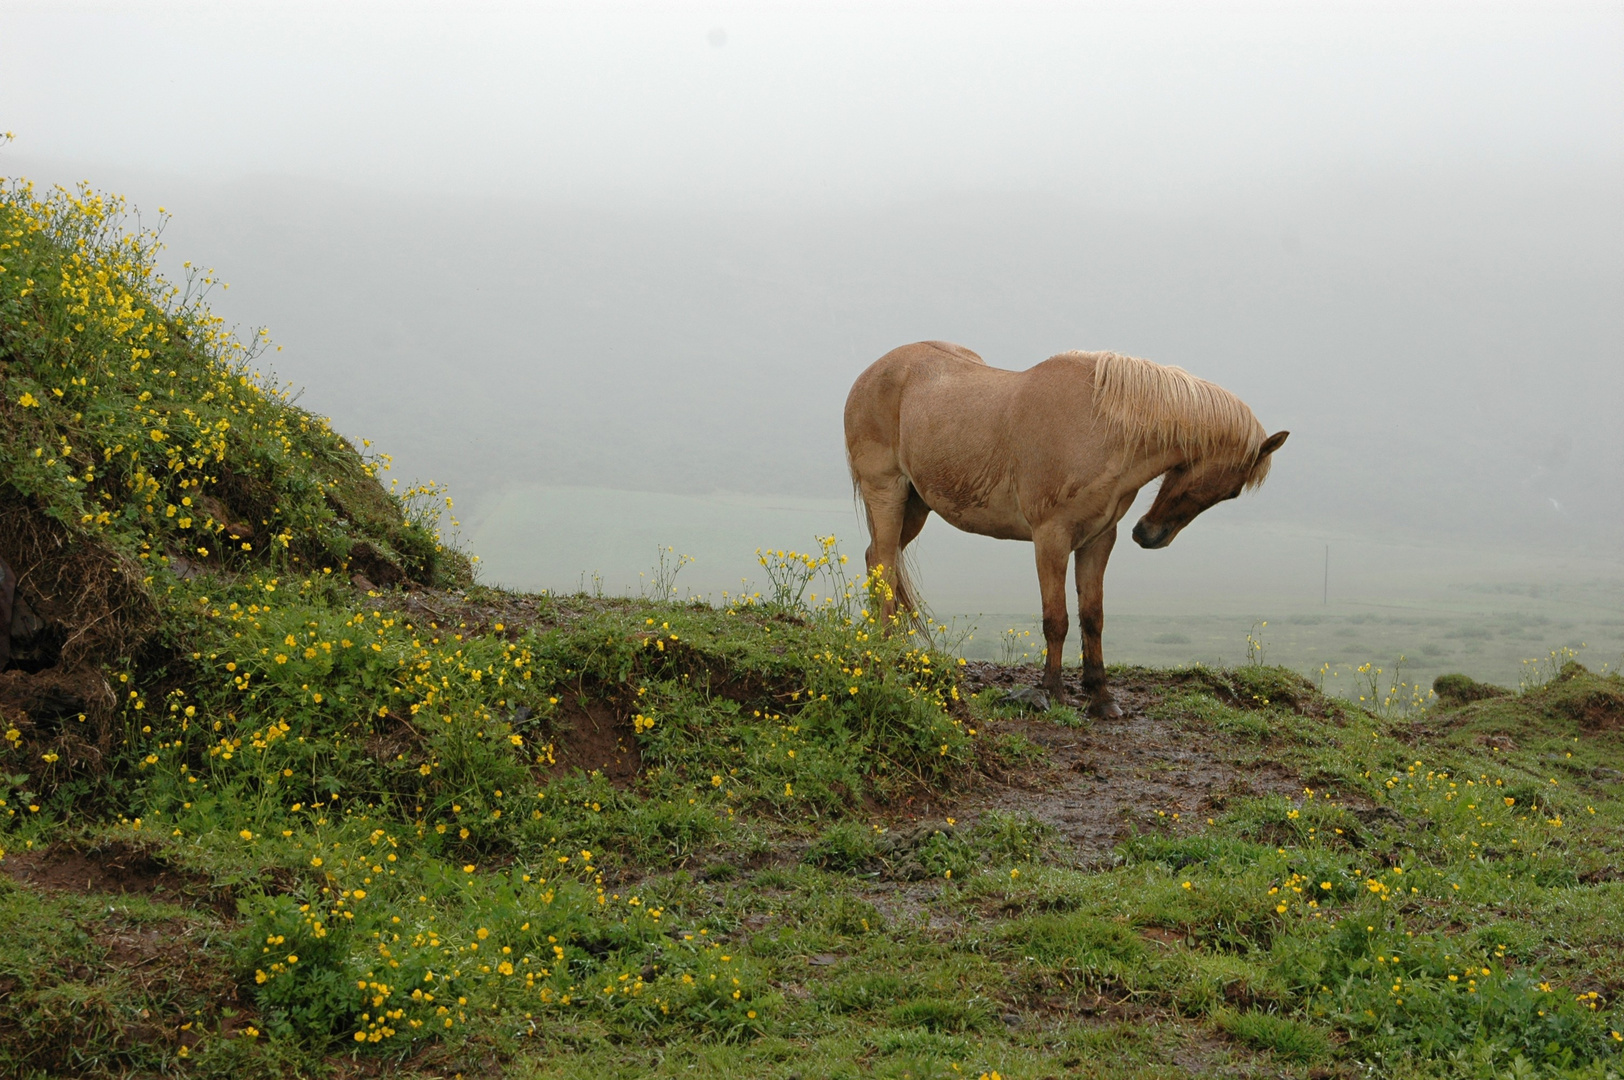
x=1272, y=443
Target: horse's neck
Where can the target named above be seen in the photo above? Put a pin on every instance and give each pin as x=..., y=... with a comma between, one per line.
x=1140, y=466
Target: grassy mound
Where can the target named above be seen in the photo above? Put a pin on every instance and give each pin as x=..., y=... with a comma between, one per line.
x=283, y=793
x=139, y=448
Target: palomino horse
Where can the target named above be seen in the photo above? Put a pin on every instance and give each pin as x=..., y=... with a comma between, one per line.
x=1054, y=455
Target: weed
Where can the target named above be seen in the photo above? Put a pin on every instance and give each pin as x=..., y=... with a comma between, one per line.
x=661, y=582
x=1015, y=647
x=864, y=993
x=845, y=845
x=1255, y=648
x=1065, y=716
x=1541, y=671
x=1283, y=1036
x=934, y=1014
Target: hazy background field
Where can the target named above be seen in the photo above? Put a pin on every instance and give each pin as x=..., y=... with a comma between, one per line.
x=1327, y=597
x=609, y=272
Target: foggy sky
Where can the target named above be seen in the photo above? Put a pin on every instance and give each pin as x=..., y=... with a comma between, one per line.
x=649, y=246
x=676, y=103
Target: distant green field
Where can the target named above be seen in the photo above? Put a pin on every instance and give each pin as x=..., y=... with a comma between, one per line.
x=1481, y=611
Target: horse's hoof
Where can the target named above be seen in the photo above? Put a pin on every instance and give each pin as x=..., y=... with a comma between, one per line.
x=1104, y=708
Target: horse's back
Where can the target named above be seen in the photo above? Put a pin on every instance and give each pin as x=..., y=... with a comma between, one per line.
x=956, y=351
x=893, y=369
x=874, y=406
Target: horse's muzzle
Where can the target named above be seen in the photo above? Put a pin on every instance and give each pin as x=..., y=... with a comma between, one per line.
x=1151, y=536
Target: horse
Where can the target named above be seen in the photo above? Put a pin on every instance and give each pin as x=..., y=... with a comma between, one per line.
x=1053, y=455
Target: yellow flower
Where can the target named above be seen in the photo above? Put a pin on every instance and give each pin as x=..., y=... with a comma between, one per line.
x=28, y=401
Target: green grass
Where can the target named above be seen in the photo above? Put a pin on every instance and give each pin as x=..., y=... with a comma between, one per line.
x=706, y=879
x=321, y=829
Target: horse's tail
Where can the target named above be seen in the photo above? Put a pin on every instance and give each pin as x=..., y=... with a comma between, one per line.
x=908, y=604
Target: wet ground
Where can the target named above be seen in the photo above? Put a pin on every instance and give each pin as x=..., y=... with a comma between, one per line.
x=1097, y=782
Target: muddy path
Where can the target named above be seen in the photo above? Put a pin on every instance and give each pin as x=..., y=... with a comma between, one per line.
x=1096, y=783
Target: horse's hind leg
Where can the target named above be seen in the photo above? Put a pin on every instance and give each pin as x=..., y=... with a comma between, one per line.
x=914, y=514
x=886, y=501
x=1091, y=560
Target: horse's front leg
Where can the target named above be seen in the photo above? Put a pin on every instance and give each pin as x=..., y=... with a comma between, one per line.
x=1091, y=559
x=1052, y=553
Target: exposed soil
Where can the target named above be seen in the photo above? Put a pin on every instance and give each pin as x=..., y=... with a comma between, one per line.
x=165, y=961
x=117, y=868
x=454, y=610
x=1099, y=782
x=596, y=737
x=144, y=982
x=1599, y=710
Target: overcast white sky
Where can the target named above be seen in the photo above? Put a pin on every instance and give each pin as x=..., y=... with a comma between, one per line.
x=675, y=101
x=647, y=246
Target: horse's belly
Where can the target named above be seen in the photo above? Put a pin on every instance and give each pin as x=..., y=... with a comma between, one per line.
x=951, y=444
x=996, y=515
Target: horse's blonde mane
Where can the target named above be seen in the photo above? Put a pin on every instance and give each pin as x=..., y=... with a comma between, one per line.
x=1158, y=407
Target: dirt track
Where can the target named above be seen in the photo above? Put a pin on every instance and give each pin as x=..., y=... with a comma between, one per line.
x=1099, y=781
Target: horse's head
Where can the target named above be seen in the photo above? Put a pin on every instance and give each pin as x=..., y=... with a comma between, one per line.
x=1191, y=487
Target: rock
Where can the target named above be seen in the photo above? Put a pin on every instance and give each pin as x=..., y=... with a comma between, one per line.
x=1460, y=689
x=235, y=529
x=1027, y=697
x=184, y=568
x=8, y=592
x=374, y=563
x=19, y=626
